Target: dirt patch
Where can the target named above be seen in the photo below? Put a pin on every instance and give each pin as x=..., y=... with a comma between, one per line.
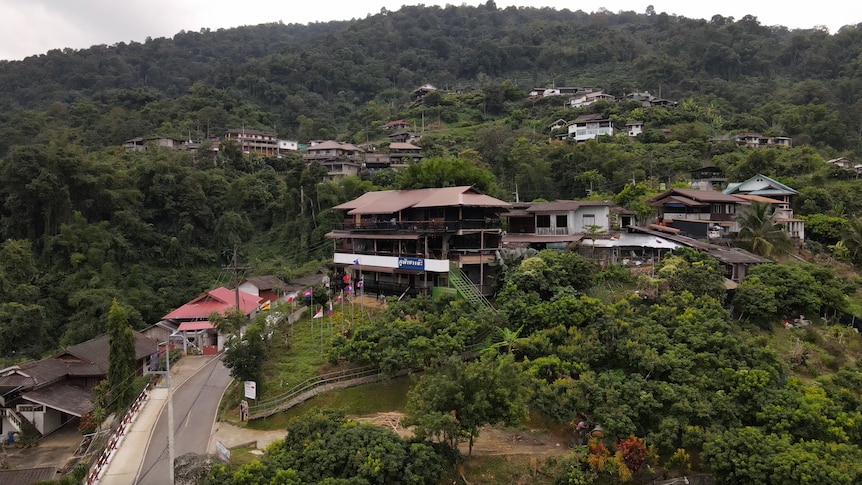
x=492, y=440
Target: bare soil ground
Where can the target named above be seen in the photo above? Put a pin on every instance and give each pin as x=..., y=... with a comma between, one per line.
x=492, y=440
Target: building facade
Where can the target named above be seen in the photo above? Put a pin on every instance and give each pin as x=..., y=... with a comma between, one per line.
x=413, y=241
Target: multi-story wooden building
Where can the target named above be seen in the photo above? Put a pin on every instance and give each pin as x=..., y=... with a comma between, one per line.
x=413, y=241
x=340, y=159
x=254, y=141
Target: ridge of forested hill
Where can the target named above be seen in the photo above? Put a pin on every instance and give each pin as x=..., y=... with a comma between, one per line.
x=311, y=81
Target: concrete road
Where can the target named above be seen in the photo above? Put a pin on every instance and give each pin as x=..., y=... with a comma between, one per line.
x=195, y=406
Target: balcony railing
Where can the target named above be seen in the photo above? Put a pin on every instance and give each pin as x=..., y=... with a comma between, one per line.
x=552, y=231
x=418, y=226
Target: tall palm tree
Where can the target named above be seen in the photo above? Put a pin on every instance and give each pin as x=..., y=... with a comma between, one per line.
x=852, y=239
x=759, y=232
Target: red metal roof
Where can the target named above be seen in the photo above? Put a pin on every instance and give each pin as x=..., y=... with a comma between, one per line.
x=197, y=325
x=218, y=300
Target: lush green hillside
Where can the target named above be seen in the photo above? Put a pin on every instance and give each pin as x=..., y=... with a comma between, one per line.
x=85, y=222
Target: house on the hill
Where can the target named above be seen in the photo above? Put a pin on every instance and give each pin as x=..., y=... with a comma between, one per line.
x=756, y=140
x=775, y=193
x=418, y=241
x=586, y=99
x=423, y=91
x=253, y=141
x=708, y=178
x=397, y=125
x=192, y=320
x=588, y=127
x=270, y=288
x=340, y=159
x=688, y=209
x=141, y=143
x=49, y=393
x=634, y=128
x=557, y=224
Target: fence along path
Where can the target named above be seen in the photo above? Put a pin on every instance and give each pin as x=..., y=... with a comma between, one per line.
x=311, y=387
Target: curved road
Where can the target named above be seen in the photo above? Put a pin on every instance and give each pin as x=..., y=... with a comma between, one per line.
x=195, y=406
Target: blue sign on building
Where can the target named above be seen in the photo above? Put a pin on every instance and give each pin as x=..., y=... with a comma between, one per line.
x=411, y=263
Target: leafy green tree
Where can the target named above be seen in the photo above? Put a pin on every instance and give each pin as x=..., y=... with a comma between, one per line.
x=447, y=172
x=322, y=447
x=121, y=359
x=690, y=270
x=245, y=357
x=456, y=399
x=759, y=232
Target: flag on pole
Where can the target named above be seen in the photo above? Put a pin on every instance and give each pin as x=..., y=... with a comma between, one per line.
x=338, y=298
x=307, y=293
x=361, y=282
x=356, y=261
x=290, y=298
x=329, y=313
x=319, y=313
x=346, y=278
x=348, y=288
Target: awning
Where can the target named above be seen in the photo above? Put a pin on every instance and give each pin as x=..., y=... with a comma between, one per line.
x=534, y=238
x=193, y=326
x=382, y=235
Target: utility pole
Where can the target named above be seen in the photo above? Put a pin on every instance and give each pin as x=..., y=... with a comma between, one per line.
x=235, y=269
x=171, y=448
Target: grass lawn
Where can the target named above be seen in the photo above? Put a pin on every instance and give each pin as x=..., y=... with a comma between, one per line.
x=379, y=397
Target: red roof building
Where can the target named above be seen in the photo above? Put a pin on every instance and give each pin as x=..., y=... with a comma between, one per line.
x=218, y=300
x=193, y=318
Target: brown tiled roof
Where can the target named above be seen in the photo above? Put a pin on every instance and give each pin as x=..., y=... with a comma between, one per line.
x=567, y=205
x=679, y=200
x=65, y=397
x=392, y=201
x=590, y=117
x=88, y=358
x=334, y=145
x=267, y=282
x=403, y=146
x=760, y=198
x=28, y=476
x=701, y=196
x=736, y=256
x=97, y=349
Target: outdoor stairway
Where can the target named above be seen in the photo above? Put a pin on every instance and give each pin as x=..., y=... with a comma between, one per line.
x=461, y=282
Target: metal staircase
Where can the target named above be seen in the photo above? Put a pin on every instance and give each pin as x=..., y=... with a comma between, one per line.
x=467, y=289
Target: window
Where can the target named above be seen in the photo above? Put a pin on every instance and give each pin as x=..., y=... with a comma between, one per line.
x=589, y=220
x=562, y=221
x=543, y=221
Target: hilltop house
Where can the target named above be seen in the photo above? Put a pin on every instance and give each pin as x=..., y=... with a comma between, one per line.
x=586, y=99
x=340, y=159
x=697, y=212
x=756, y=140
x=773, y=192
x=269, y=288
x=253, y=141
x=588, y=127
x=397, y=125
x=417, y=241
x=49, y=393
x=634, y=128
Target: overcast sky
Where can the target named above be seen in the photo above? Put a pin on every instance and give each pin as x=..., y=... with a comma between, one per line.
x=31, y=27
